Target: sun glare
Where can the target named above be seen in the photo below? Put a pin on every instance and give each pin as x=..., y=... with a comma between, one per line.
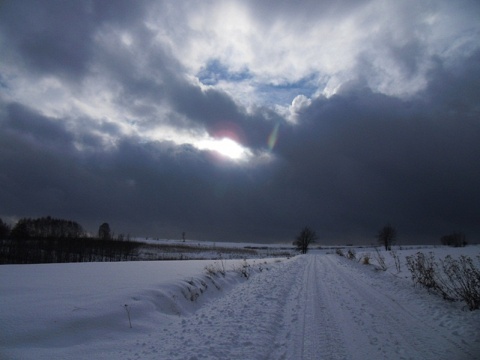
x=227, y=147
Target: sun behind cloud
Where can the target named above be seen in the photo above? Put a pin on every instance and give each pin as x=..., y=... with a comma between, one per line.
x=226, y=147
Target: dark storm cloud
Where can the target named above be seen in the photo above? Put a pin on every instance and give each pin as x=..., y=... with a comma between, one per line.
x=350, y=163
x=370, y=158
x=32, y=127
x=56, y=37
x=355, y=161
x=152, y=188
x=31, y=160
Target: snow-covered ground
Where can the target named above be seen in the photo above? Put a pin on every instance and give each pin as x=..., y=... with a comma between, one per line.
x=315, y=306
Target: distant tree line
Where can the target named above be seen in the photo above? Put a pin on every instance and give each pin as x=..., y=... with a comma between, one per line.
x=388, y=236
x=46, y=228
x=456, y=239
x=50, y=240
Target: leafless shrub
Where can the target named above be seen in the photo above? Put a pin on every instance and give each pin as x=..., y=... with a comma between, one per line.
x=221, y=266
x=380, y=260
x=462, y=280
x=260, y=266
x=396, y=258
x=211, y=270
x=243, y=269
x=351, y=254
x=216, y=268
x=339, y=252
x=423, y=268
x=365, y=259
x=194, y=289
x=454, y=279
x=190, y=293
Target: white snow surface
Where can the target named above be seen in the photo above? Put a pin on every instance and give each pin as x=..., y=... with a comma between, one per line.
x=315, y=306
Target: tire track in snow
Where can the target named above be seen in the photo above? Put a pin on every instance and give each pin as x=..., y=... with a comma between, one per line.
x=288, y=317
x=322, y=338
x=333, y=313
x=309, y=329
x=380, y=326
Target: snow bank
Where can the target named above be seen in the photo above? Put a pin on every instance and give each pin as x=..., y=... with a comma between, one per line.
x=65, y=305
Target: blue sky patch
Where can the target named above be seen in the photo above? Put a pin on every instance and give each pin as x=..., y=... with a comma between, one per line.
x=215, y=71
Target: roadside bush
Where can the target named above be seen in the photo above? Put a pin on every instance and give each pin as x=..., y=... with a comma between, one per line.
x=211, y=270
x=453, y=279
x=380, y=261
x=243, y=269
x=194, y=289
x=216, y=268
x=423, y=268
x=366, y=259
x=462, y=280
x=339, y=252
x=396, y=258
x=351, y=254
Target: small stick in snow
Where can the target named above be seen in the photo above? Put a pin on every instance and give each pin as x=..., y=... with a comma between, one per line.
x=128, y=314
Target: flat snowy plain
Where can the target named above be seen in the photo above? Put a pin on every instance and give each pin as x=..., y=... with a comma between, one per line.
x=315, y=306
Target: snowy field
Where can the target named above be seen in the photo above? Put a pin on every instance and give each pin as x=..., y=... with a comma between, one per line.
x=165, y=249
x=315, y=306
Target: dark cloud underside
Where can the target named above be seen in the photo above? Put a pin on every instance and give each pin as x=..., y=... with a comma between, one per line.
x=91, y=93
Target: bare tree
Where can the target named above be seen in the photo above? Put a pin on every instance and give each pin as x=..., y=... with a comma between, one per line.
x=104, y=232
x=4, y=230
x=387, y=236
x=304, y=239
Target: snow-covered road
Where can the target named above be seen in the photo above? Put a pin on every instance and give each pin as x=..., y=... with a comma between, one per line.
x=335, y=312
x=347, y=316
x=316, y=306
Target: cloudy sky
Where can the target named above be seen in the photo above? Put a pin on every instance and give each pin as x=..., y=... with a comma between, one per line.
x=243, y=120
